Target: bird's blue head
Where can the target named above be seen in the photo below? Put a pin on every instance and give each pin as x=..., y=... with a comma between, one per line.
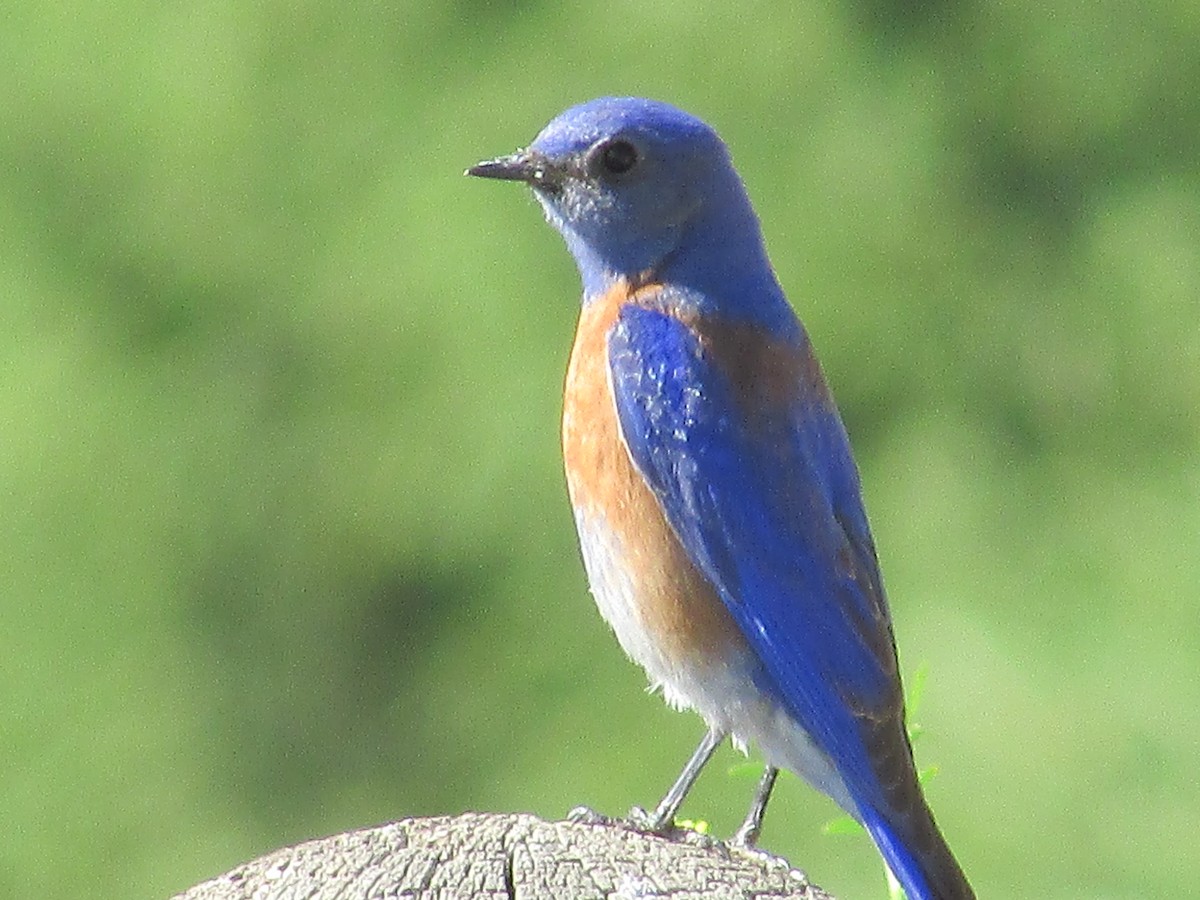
x=640, y=190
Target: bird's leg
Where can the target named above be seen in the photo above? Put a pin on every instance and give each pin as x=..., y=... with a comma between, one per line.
x=747, y=835
x=664, y=814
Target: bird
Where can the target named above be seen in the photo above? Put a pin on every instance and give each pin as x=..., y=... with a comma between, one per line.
x=717, y=502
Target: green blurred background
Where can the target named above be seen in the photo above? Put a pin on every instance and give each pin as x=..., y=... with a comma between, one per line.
x=285, y=548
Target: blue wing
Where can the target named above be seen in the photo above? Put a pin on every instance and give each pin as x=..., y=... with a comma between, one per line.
x=741, y=443
x=764, y=496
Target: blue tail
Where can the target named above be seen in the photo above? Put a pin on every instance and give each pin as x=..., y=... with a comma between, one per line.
x=917, y=855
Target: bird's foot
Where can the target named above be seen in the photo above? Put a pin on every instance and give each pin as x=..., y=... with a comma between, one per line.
x=638, y=820
x=748, y=844
x=643, y=822
x=649, y=822
x=668, y=827
x=646, y=822
x=585, y=815
x=746, y=837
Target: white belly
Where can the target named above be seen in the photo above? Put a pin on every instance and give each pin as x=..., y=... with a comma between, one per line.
x=720, y=688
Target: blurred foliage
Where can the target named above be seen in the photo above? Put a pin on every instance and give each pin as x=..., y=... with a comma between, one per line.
x=285, y=543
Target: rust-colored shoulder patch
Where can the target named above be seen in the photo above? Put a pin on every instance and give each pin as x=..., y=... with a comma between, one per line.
x=767, y=374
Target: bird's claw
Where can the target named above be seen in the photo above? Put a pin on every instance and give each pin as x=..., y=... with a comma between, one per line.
x=585, y=815
x=649, y=823
x=744, y=841
x=644, y=822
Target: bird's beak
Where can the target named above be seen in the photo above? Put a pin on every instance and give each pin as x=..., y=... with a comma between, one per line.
x=525, y=165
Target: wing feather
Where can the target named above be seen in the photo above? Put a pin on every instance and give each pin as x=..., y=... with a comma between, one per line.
x=757, y=481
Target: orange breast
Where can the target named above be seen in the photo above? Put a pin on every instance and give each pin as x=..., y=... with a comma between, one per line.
x=671, y=600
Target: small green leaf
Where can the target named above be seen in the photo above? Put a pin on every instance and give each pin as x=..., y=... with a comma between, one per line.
x=700, y=826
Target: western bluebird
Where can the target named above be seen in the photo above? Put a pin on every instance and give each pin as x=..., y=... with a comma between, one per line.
x=717, y=502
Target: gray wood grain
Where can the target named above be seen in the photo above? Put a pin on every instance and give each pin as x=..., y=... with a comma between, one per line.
x=488, y=856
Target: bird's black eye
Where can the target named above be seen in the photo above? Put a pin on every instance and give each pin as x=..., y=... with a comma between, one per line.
x=616, y=157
